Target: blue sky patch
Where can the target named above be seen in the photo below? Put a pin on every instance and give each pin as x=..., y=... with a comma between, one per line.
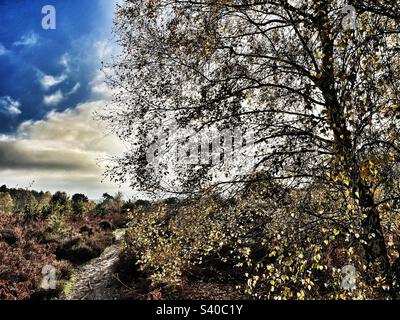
x=43, y=70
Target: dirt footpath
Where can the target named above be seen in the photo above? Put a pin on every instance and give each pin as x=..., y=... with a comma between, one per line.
x=96, y=280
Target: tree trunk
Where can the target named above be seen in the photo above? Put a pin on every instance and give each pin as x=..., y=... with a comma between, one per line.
x=372, y=233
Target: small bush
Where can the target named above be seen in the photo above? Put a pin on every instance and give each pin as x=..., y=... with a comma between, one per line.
x=8, y=236
x=105, y=225
x=87, y=230
x=81, y=249
x=6, y=202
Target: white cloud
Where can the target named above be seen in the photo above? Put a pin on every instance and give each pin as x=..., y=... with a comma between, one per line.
x=48, y=81
x=10, y=106
x=99, y=87
x=54, y=99
x=60, y=152
x=103, y=49
x=57, y=97
x=65, y=61
x=29, y=40
x=73, y=129
x=74, y=89
x=3, y=50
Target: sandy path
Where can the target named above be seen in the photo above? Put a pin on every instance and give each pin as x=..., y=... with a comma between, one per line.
x=95, y=280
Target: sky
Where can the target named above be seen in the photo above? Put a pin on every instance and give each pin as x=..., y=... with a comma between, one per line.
x=51, y=83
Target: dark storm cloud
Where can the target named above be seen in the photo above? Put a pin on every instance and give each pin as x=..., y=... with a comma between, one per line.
x=21, y=155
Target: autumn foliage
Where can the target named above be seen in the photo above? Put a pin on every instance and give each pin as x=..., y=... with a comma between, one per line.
x=40, y=229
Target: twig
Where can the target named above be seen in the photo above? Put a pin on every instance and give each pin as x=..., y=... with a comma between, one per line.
x=115, y=276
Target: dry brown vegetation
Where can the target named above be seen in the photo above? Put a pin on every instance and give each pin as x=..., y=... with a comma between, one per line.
x=62, y=239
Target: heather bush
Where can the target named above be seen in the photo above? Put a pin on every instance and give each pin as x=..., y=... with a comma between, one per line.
x=81, y=249
x=42, y=231
x=21, y=258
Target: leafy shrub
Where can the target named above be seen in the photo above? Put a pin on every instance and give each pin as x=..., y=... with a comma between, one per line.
x=169, y=240
x=31, y=207
x=266, y=242
x=6, y=202
x=57, y=222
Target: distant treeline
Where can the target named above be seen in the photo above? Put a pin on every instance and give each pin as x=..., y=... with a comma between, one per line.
x=32, y=203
